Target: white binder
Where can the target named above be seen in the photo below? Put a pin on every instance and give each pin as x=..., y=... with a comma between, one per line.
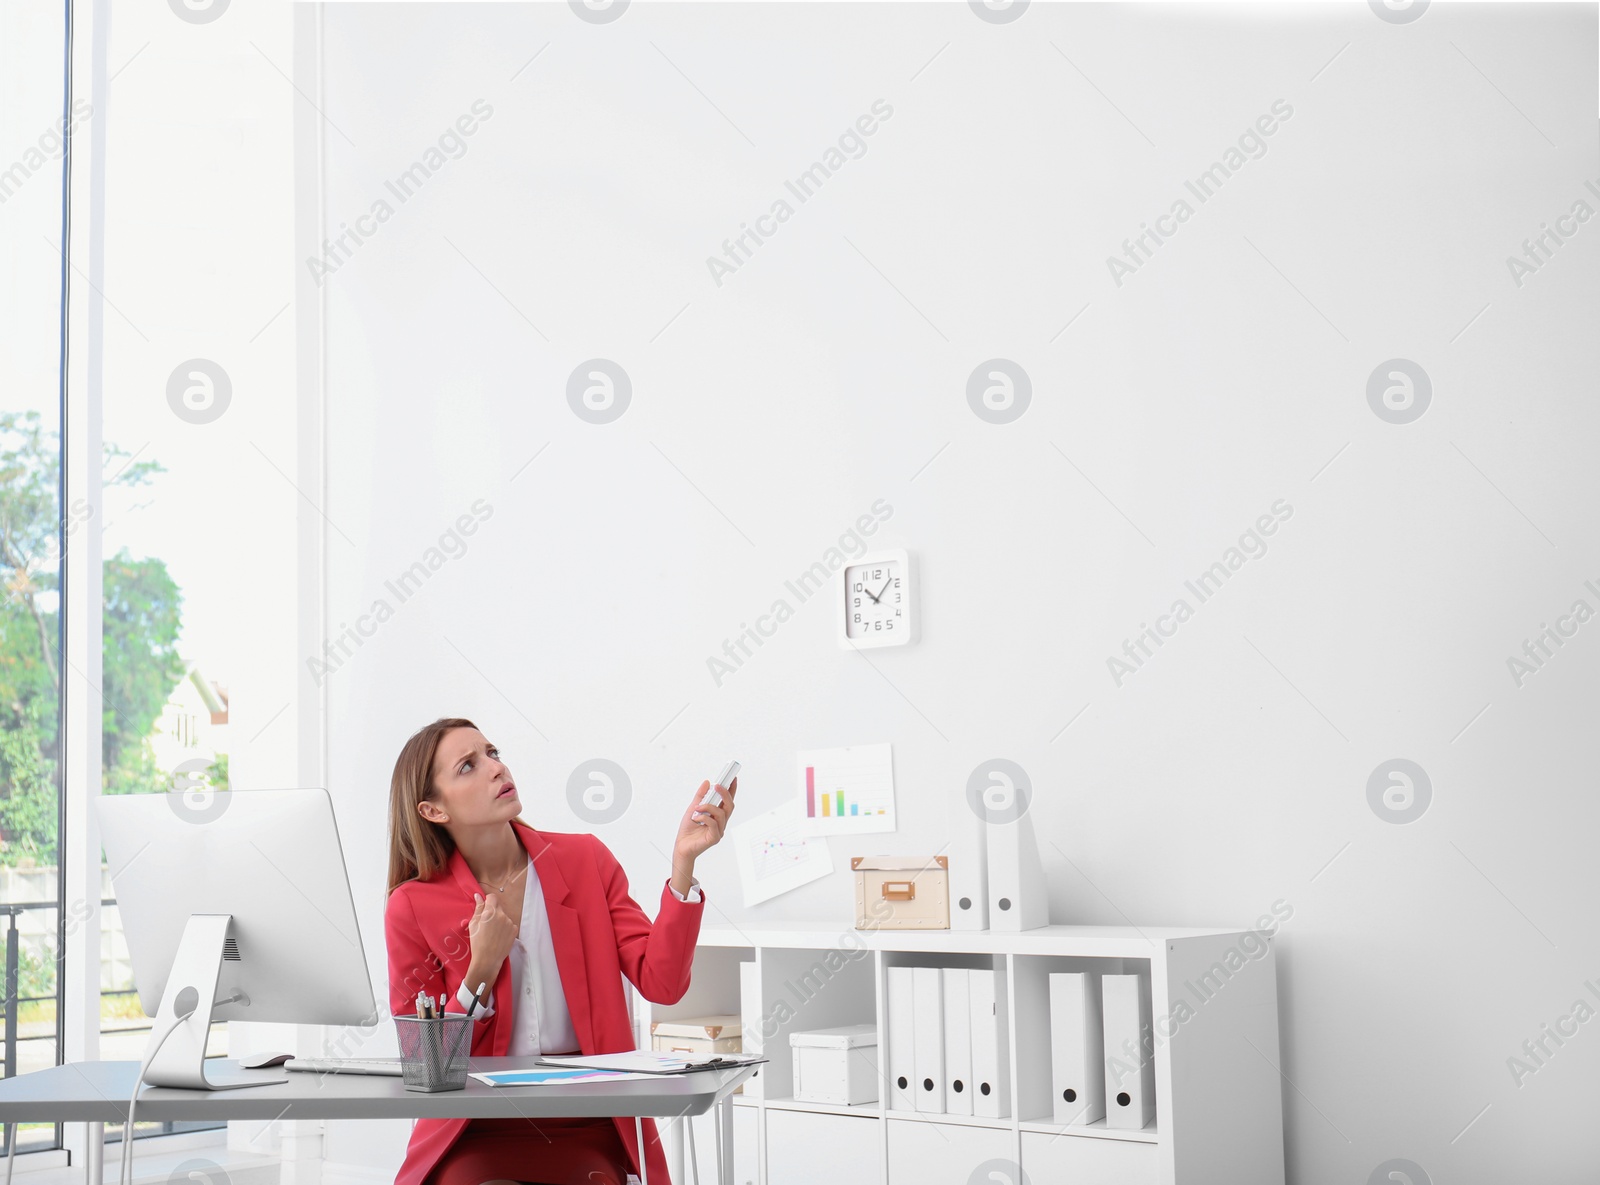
x=957, y=1042
x=969, y=869
x=750, y=1025
x=927, y=1036
x=1017, y=890
x=1130, y=1051
x=1077, y=1035
x=901, y=1057
x=991, y=1043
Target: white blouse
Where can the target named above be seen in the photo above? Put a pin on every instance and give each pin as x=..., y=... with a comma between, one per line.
x=541, y=1022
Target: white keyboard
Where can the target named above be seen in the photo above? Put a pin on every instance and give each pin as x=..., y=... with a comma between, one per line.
x=346, y=1065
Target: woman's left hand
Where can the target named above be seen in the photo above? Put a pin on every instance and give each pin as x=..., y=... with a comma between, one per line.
x=702, y=826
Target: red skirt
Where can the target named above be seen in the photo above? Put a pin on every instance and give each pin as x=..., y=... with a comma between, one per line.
x=579, y=1151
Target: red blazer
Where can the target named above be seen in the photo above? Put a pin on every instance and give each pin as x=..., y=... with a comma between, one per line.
x=600, y=934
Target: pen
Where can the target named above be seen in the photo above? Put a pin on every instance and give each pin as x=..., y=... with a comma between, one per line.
x=477, y=996
x=420, y=1013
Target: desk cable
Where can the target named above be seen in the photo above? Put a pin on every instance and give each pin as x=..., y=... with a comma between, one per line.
x=185, y=1007
x=185, y=1004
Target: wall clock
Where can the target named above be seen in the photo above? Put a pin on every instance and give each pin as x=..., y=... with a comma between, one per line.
x=877, y=603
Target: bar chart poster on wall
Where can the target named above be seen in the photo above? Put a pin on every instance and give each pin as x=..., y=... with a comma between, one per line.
x=848, y=791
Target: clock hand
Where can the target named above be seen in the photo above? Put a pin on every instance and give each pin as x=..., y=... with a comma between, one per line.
x=868, y=591
x=886, y=584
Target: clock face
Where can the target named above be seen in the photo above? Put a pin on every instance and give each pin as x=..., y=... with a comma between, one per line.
x=876, y=600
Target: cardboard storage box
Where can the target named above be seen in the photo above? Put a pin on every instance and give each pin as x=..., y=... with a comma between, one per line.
x=697, y=1034
x=902, y=892
x=837, y=1065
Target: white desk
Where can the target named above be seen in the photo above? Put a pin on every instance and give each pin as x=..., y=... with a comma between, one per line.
x=97, y=1093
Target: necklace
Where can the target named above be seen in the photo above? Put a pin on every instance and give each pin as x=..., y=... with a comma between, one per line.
x=509, y=879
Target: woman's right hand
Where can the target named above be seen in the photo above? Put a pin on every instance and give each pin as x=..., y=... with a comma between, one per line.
x=490, y=931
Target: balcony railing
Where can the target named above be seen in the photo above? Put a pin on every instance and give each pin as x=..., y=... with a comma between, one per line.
x=13, y=1007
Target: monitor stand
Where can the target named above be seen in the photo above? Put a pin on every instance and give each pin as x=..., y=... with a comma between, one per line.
x=192, y=984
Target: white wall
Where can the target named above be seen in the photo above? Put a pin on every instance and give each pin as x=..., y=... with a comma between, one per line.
x=1228, y=373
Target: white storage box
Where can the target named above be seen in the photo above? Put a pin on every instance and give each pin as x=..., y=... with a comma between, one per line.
x=837, y=1065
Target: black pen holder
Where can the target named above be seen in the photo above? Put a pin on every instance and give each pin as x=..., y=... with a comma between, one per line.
x=434, y=1051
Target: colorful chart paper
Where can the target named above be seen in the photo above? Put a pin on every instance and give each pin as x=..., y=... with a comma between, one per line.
x=775, y=854
x=551, y=1077
x=848, y=791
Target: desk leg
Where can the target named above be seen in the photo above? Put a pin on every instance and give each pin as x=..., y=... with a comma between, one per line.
x=694, y=1153
x=638, y=1139
x=725, y=1140
x=95, y=1161
x=674, y=1146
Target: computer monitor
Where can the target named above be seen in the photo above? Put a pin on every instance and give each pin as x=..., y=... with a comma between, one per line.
x=236, y=904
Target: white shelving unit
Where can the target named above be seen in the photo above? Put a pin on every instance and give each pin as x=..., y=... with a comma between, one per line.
x=1219, y=1111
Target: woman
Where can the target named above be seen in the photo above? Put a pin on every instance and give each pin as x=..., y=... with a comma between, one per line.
x=543, y=921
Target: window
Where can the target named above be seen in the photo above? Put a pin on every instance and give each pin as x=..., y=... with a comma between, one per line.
x=33, y=527
x=187, y=280
x=198, y=531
